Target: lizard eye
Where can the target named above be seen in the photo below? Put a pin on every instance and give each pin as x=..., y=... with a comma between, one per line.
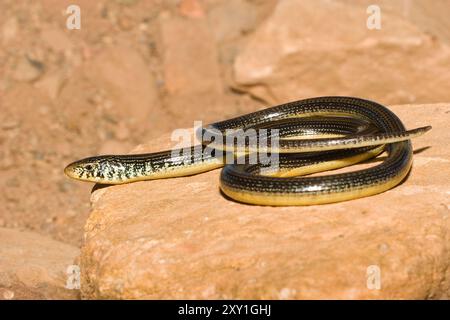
x=88, y=167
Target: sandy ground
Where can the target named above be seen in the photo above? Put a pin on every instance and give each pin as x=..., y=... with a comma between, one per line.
x=62, y=98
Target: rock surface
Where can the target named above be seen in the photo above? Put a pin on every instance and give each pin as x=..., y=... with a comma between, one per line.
x=34, y=267
x=191, y=67
x=294, y=54
x=180, y=238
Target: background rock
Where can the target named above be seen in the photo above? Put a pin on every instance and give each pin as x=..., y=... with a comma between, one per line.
x=85, y=96
x=310, y=48
x=180, y=238
x=34, y=267
x=191, y=67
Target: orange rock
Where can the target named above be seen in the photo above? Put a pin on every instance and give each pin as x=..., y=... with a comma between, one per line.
x=313, y=48
x=34, y=267
x=190, y=56
x=181, y=238
x=191, y=8
x=191, y=69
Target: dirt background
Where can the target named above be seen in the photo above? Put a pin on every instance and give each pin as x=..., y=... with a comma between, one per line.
x=68, y=94
x=139, y=68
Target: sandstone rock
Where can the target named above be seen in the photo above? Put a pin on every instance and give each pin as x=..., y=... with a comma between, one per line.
x=190, y=67
x=124, y=72
x=191, y=9
x=229, y=19
x=180, y=238
x=313, y=48
x=190, y=58
x=34, y=267
x=431, y=19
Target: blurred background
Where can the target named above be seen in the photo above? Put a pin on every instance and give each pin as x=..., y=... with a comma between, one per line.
x=140, y=68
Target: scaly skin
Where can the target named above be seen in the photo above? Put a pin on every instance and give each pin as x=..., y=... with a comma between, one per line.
x=316, y=134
